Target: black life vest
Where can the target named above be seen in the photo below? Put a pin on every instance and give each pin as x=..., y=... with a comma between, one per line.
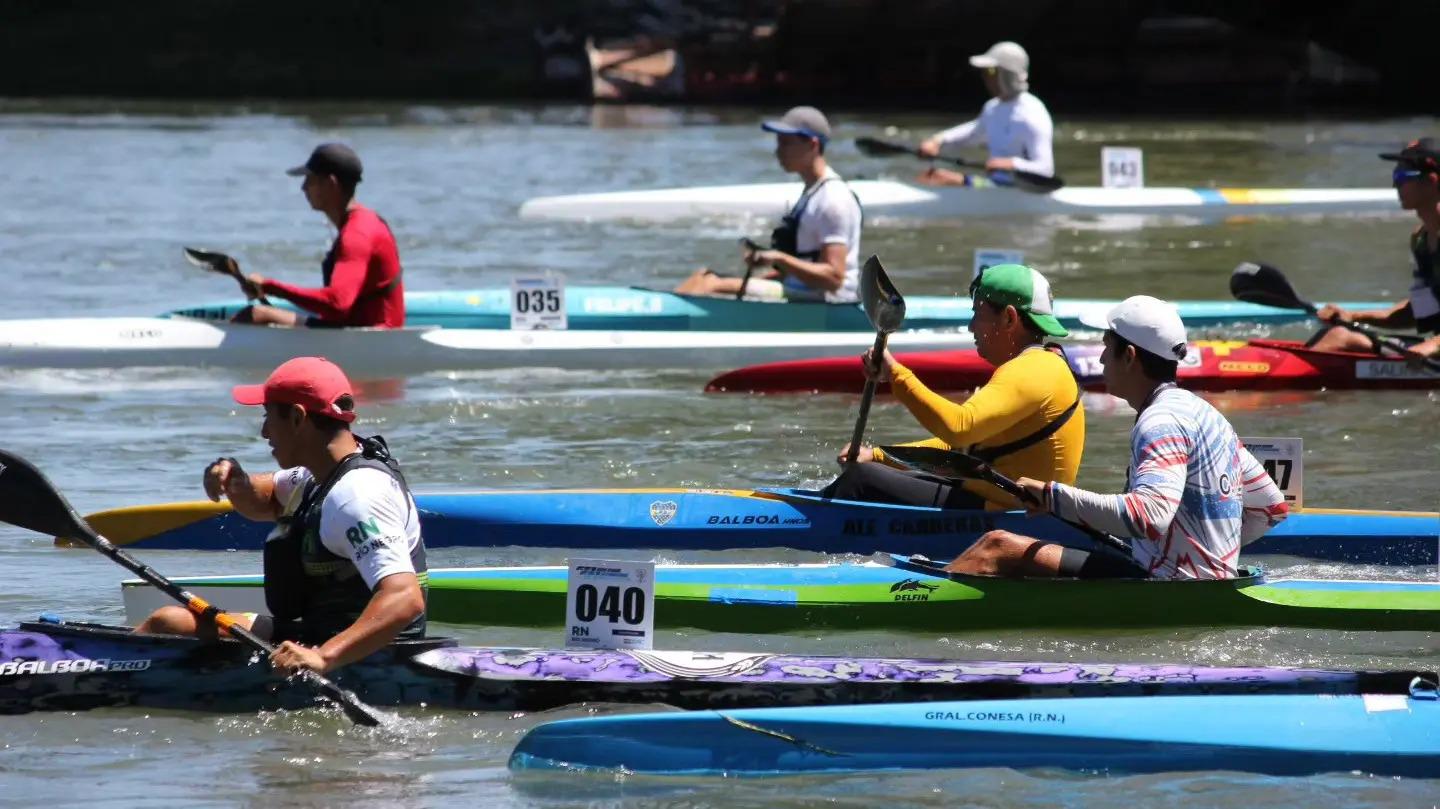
x=312, y=593
x=327, y=265
x=786, y=237
x=1425, y=290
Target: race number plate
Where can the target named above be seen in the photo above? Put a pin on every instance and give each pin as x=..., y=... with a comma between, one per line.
x=990, y=256
x=610, y=605
x=1284, y=459
x=537, y=302
x=1122, y=167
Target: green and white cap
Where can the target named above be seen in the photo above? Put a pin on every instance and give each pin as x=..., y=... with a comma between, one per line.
x=1023, y=288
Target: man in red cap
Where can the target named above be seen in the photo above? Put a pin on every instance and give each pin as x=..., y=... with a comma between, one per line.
x=1417, y=184
x=345, y=566
x=361, y=271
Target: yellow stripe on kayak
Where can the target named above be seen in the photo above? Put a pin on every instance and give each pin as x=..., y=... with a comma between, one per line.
x=1373, y=512
x=124, y=526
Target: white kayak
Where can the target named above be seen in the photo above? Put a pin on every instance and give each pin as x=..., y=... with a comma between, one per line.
x=177, y=341
x=891, y=198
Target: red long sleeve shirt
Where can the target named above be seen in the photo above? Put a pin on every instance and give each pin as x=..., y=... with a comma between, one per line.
x=362, y=277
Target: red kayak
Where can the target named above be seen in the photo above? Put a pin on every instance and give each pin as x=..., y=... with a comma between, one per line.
x=1210, y=366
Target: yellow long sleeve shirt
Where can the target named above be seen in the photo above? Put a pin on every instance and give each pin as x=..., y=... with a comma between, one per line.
x=1021, y=398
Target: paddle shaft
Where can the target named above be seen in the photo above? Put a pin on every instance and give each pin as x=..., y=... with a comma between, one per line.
x=357, y=711
x=1380, y=339
x=1040, y=182
x=877, y=356
x=1007, y=485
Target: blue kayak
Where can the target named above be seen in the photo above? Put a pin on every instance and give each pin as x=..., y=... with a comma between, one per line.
x=722, y=519
x=637, y=309
x=1394, y=735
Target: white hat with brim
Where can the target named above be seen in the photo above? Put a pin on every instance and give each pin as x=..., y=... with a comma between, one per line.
x=1005, y=56
x=1149, y=323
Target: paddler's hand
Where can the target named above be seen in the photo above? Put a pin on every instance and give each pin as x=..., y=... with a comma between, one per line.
x=224, y=476
x=866, y=455
x=929, y=148
x=1000, y=164
x=939, y=176
x=880, y=372
x=1330, y=313
x=1038, y=501
x=253, y=284
x=762, y=258
x=291, y=657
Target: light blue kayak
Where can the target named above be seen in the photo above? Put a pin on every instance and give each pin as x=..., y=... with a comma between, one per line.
x=1391, y=735
x=636, y=309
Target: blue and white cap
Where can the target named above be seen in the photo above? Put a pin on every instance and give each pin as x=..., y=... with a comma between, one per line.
x=806, y=121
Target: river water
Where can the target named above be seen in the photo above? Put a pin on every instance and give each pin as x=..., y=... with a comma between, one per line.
x=100, y=196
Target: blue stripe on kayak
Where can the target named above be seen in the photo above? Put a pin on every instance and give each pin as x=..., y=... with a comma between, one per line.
x=1210, y=196
x=741, y=595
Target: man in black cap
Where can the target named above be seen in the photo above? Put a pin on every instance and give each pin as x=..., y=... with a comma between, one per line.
x=815, y=252
x=1417, y=184
x=361, y=271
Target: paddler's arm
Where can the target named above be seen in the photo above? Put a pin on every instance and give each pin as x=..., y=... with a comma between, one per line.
x=993, y=408
x=333, y=302
x=966, y=134
x=1399, y=316
x=1147, y=510
x=253, y=496
x=1265, y=505
x=826, y=275
x=397, y=600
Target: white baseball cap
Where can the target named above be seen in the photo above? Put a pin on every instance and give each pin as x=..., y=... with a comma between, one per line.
x=1004, y=55
x=1149, y=323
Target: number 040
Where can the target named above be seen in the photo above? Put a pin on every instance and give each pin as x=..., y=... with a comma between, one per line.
x=628, y=606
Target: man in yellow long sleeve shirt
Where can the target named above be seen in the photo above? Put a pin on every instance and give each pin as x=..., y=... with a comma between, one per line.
x=1027, y=421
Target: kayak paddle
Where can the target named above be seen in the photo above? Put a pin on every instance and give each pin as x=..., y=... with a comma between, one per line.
x=225, y=265
x=1254, y=282
x=886, y=310
x=29, y=500
x=949, y=463
x=1024, y=180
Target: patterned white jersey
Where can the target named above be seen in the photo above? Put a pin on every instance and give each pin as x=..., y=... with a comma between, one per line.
x=1193, y=496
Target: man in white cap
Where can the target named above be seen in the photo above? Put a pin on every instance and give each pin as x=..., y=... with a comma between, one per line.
x=815, y=252
x=1013, y=123
x=1194, y=494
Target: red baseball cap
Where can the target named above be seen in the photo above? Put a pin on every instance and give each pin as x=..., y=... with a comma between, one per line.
x=311, y=382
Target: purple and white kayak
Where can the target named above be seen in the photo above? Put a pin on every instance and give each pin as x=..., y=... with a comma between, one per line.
x=52, y=665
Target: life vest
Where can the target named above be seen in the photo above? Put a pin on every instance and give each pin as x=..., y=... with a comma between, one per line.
x=991, y=454
x=786, y=237
x=1425, y=291
x=312, y=593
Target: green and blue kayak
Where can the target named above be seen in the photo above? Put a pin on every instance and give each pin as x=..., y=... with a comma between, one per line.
x=902, y=594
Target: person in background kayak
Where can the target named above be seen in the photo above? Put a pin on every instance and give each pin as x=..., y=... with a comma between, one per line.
x=1027, y=420
x=345, y=565
x=1013, y=123
x=815, y=252
x=1194, y=495
x=1417, y=184
x=362, y=272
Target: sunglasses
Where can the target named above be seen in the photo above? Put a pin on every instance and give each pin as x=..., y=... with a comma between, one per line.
x=1403, y=176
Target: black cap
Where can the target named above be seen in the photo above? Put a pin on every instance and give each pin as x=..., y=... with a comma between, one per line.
x=334, y=159
x=1421, y=154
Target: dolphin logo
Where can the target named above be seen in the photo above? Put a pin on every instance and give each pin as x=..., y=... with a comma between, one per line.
x=912, y=584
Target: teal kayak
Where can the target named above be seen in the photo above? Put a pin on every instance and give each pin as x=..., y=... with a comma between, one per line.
x=637, y=309
x=1395, y=735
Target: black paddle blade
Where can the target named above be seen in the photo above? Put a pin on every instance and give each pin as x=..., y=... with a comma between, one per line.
x=215, y=262
x=1263, y=284
x=882, y=148
x=29, y=500
x=358, y=712
x=882, y=301
x=943, y=463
